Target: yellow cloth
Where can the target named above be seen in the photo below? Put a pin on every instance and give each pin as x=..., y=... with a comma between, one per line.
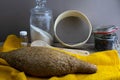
x=12, y=42
x=107, y=63
x=7, y=72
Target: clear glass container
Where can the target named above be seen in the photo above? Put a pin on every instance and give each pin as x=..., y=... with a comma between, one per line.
x=24, y=38
x=41, y=20
x=106, y=38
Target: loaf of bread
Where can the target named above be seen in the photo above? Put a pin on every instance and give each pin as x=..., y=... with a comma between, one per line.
x=46, y=62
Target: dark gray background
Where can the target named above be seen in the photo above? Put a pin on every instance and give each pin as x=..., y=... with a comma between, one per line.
x=14, y=14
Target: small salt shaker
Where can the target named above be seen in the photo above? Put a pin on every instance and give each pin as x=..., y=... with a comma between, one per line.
x=24, y=38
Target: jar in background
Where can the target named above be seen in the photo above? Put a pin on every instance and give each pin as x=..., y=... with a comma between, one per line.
x=105, y=38
x=24, y=38
x=41, y=20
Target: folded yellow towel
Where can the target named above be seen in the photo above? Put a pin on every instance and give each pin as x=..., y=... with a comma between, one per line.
x=107, y=63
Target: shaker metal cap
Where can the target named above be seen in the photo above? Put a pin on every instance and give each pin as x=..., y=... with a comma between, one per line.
x=24, y=33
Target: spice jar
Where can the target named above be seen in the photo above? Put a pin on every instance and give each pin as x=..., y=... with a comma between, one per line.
x=24, y=38
x=105, y=38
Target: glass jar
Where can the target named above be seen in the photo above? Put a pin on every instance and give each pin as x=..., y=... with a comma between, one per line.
x=41, y=20
x=106, y=38
x=24, y=38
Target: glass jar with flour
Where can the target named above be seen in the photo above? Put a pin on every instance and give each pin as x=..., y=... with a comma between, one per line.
x=41, y=20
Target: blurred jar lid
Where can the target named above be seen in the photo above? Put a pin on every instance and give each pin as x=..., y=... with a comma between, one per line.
x=109, y=29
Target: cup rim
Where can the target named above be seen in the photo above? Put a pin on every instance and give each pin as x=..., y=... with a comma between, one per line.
x=74, y=13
